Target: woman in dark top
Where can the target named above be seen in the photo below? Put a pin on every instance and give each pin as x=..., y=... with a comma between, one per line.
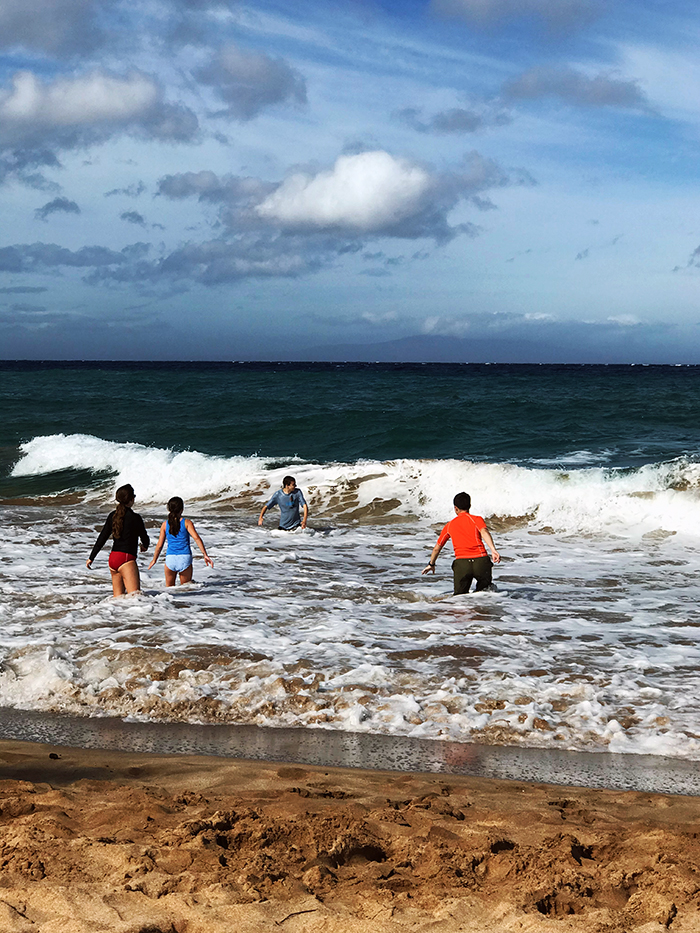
x=125, y=528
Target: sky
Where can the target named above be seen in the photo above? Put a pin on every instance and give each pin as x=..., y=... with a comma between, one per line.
x=487, y=180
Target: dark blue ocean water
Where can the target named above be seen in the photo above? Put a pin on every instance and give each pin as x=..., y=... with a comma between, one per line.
x=617, y=416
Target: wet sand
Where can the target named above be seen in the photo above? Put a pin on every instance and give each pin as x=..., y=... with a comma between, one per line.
x=98, y=839
x=338, y=748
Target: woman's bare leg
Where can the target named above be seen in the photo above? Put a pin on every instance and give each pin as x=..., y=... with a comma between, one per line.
x=170, y=576
x=186, y=574
x=130, y=576
x=117, y=583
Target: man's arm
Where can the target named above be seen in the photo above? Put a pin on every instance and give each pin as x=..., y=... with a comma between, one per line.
x=271, y=502
x=488, y=541
x=305, y=516
x=434, y=556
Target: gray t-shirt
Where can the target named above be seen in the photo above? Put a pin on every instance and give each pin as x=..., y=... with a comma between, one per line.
x=289, y=504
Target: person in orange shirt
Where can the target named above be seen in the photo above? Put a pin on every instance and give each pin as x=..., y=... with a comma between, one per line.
x=469, y=534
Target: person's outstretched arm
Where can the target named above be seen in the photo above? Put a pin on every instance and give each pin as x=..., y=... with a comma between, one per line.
x=101, y=541
x=305, y=515
x=433, y=557
x=264, y=509
x=198, y=541
x=159, y=546
x=488, y=541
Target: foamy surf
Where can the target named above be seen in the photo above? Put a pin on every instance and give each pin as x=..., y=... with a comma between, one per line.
x=663, y=497
x=588, y=643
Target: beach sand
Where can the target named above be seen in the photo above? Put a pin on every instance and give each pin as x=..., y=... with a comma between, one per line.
x=140, y=843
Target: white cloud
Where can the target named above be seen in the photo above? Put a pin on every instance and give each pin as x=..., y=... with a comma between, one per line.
x=625, y=320
x=366, y=192
x=33, y=112
x=95, y=97
x=445, y=326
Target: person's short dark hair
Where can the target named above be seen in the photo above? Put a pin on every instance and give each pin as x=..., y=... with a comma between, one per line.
x=287, y=481
x=462, y=501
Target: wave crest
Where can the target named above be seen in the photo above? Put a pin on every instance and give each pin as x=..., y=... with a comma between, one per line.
x=660, y=496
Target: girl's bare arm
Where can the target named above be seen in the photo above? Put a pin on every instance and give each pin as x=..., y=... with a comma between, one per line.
x=159, y=546
x=198, y=541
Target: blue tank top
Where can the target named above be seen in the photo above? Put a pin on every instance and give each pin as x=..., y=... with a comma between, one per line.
x=179, y=543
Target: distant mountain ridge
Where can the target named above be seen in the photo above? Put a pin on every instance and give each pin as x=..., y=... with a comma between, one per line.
x=437, y=349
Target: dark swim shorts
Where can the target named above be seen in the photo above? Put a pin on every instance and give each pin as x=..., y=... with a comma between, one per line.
x=466, y=569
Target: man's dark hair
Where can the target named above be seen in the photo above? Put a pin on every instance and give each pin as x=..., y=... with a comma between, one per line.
x=288, y=480
x=462, y=501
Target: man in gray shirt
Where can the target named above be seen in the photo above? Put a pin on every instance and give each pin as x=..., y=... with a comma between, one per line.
x=290, y=500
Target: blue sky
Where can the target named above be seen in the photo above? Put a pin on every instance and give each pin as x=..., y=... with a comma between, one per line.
x=485, y=179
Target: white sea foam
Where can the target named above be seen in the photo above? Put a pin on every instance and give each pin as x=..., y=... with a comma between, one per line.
x=655, y=497
x=589, y=642
x=153, y=469
x=576, y=458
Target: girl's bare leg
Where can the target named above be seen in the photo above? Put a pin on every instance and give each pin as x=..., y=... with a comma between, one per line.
x=130, y=576
x=117, y=583
x=170, y=577
x=186, y=574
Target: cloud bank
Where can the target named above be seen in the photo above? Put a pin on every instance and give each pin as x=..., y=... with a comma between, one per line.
x=366, y=194
x=309, y=219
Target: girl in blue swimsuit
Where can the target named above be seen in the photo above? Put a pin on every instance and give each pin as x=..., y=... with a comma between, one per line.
x=177, y=533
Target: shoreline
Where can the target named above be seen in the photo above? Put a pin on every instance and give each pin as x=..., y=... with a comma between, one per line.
x=336, y=748
x=131, y=842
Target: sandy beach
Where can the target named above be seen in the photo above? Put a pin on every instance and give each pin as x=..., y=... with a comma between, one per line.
x=141, y=843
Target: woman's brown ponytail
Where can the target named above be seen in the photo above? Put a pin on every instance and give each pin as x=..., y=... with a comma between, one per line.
x=124, y=496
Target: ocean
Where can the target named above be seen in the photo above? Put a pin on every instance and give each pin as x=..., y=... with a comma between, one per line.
x=587, y=476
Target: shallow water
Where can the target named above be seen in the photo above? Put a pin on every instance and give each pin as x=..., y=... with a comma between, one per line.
x=337, y=628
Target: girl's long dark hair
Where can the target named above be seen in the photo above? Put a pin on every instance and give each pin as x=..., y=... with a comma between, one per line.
x=124, y=495
x=175, y=509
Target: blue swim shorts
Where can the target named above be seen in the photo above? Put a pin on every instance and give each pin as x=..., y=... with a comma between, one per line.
x=178, y=562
